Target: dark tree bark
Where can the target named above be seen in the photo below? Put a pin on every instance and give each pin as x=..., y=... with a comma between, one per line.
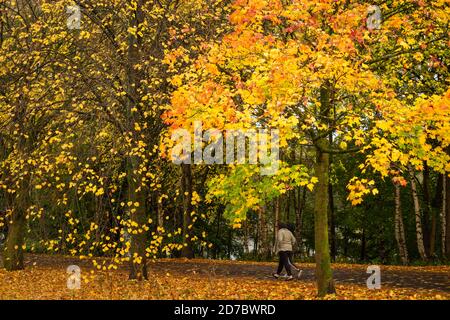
x=276, y=217
x=138, y=266
x=187, y=189
x=263, y=250
x=429, y=216
x=324, y=274
x=447, y=218
x=332, y=213
x=399, y=227
x=136, y=193
x=363, y=245
x=332, y=217
x=299, y=205
x=13, y=251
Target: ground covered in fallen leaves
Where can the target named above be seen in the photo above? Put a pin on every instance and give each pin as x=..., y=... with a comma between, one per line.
x=45, y=278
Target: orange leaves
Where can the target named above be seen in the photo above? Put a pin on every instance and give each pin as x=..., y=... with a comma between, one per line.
x=46, y=278
x=359, y=188
x=248, y=10
x=400, y=180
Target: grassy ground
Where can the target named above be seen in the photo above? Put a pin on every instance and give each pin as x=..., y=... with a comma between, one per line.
x=45, y=278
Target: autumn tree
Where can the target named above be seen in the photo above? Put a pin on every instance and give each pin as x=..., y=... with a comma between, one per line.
x=309, y=69
x=35, y=46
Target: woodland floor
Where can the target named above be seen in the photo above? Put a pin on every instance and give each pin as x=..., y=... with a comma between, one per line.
x=45, y=278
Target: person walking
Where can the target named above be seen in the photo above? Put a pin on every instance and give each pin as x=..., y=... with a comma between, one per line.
x=284, y=244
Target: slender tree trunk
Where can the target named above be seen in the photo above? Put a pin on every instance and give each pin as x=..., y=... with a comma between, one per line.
x=43, y=227
x=246, y=238
x=218, y=218
x=429, y=217
x=443, y=212
x=332, y=222
x=332, y=214
x=230, y=243
x=136, y=194
x=299, y=200
x=433, y=233
x=382, y=247
x=447, y=216
x=324, y=275
x=299, y=216
x=363, y=245
x=187, y=188
x=276, y=217
x=263, y=243
x=345, y=236
x=399, y=227
x=289, y=204
x=138, y=265
x=419, y=231
x=159, y=211
x=256, y=243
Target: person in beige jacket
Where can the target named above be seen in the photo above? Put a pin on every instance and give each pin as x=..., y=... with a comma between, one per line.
x=284, y=245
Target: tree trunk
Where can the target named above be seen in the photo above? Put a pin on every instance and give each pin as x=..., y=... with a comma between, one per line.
x=138, y=264
x=159, y=211
x=324, y=276
x=447, y=217
x=417, y=214
x=345, y=236
x=332, y=213
x=187, y=251
x=299, y=198
x=276, y=218
x=263, y=245
x=363, y=246
x=136, y=194
x=443, y=213
x=429, y=217
x=299, y=215
x=289, y=204
x=382, y=247
x=332, y=222
x=433, y=233
x=246, y=238
x=399, y=227
x=13, y=251
x=230, y=243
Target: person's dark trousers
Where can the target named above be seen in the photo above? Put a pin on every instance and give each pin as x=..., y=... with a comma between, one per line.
x=284, y=262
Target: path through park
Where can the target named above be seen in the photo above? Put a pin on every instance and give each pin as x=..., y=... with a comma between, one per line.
x=45, y=277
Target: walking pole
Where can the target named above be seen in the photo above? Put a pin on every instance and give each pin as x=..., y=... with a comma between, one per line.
x=296, y=268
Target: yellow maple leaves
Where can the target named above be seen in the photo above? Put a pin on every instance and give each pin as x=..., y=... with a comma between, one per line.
x=358, y=188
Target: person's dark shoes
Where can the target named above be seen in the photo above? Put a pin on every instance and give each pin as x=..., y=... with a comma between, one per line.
x=276, y=275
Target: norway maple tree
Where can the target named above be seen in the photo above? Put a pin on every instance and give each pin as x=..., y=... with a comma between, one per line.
x=312, y=70
x=80, y=108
